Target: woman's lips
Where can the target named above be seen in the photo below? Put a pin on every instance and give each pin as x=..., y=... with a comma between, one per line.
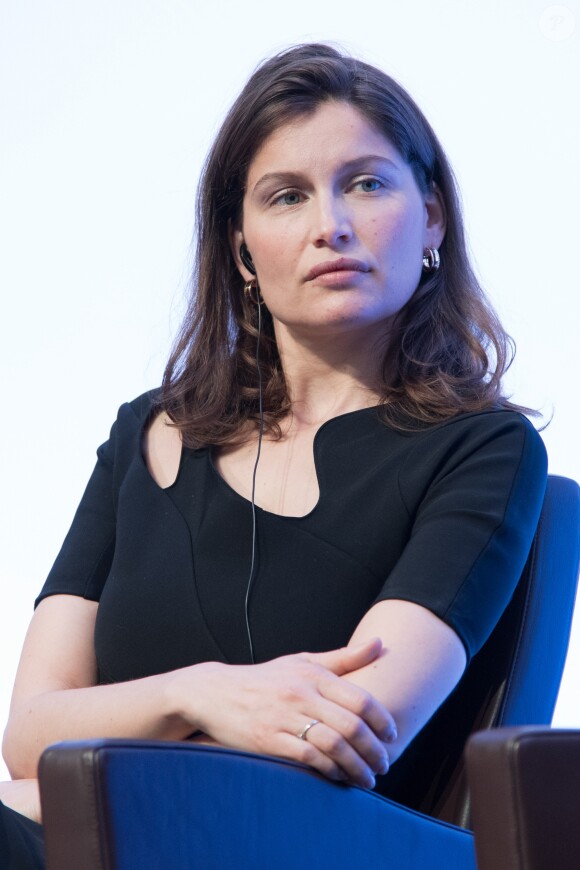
x=333, y=270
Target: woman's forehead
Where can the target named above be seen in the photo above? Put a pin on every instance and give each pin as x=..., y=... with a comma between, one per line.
x=334, y=131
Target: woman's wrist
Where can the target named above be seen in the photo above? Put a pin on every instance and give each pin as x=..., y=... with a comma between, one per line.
x=189, y=694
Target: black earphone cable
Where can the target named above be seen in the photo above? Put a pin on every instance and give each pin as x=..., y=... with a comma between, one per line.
x=254, y=530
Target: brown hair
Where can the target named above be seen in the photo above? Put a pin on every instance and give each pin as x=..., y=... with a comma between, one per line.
x=447, y=351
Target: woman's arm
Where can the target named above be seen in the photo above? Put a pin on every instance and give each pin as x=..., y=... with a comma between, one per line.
x=252, y=707
x=55, y=697
x=420, y=664
x=472, y=531
x=260, y=708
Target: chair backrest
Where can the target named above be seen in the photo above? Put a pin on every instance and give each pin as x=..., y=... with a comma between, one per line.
x=514, y=679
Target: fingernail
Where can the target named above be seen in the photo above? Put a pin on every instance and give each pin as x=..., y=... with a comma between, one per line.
x=384, y=766
x=372, y=782
x=392, y=734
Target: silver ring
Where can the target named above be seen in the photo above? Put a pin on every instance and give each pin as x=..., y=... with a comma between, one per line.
x=303, y=734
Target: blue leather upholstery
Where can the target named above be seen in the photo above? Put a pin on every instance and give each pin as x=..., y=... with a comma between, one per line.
x=539, y=657
x=180, y=806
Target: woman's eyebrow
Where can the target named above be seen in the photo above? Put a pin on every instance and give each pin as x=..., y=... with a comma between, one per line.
x=365, y=159
x=286, y=179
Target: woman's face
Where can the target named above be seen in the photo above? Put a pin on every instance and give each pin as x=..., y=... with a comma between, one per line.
x=335, y=224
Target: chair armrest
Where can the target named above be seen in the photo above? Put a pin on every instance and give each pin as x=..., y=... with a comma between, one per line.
x=525, y=793
x=126, y=804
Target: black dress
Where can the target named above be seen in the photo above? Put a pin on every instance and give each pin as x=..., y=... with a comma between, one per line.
x=442, y=516
x=21, y=842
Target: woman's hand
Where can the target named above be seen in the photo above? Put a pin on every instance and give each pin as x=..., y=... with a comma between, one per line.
x=22, y=796
x=263, y=708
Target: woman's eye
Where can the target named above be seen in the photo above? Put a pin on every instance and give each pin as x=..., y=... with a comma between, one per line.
x=289, y=197
x=369, y=185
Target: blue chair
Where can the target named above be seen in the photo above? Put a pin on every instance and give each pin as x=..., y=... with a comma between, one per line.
x=128, y=804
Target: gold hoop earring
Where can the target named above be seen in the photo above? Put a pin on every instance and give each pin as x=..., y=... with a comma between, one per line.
x=249, y=288
x=431, y=260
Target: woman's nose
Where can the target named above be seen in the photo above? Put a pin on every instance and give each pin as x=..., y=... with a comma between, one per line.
x=332, y=223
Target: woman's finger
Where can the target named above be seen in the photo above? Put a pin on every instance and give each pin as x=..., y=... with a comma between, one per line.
x=341, y=752
x=267, y=701
x=290, y=746
x=365, y=706
x=343, y=661
x=318, y=744
x=349, y=658
x=348, y=737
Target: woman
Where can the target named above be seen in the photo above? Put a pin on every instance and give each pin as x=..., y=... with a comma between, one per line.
x=329, y=466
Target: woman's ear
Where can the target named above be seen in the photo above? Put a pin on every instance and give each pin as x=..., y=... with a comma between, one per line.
x=240, y=253
x=436, y=218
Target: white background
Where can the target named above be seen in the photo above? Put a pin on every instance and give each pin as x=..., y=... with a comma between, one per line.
x=106, y=112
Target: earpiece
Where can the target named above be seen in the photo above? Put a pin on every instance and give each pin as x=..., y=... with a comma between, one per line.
x=260, y=436
x=246, y=258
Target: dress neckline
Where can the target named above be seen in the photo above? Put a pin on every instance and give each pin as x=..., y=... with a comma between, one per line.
x=242, y=498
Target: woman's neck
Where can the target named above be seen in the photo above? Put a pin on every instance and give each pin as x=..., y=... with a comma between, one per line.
x=329, y=377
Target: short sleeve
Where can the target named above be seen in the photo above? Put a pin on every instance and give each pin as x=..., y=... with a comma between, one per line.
x=474, y=524
x=84, y=561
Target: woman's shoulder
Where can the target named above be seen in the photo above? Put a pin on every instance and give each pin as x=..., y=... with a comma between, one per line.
x=135, y=415
x=490, y=420
x=460, y=434
x=485, y=447
x=145, y=407
x=474, y=441
x=488, y=430
x=128, y=427
x=500, y=426
x=473, y=427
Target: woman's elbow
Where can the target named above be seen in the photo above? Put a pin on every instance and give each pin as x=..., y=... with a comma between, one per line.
x=21, y=762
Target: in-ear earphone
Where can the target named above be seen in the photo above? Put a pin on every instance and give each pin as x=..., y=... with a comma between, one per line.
x=258, y=451
x=246, y=258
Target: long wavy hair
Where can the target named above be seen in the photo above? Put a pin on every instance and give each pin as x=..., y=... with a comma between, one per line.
x=447, y=351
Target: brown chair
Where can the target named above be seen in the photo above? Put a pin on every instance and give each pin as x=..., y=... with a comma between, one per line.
x=125, y=804
x=525, y=788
